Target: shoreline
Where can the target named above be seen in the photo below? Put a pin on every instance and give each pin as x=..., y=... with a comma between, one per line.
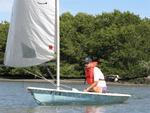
x=81, y=81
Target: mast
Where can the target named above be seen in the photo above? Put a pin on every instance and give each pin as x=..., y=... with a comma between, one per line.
x=57, y=43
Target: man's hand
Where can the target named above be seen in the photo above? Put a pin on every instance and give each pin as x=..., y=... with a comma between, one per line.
x=85, y=90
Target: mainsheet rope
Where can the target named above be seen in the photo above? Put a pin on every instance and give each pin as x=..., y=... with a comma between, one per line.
x=39, y=75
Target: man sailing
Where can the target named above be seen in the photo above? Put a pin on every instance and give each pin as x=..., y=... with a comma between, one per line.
x=94, y=77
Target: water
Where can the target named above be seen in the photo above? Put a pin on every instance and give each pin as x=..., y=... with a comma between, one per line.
x=14, y=98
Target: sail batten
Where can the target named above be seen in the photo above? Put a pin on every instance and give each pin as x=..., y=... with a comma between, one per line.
x=31, y=38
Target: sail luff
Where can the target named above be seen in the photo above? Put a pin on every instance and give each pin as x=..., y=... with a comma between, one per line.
x=58, y=44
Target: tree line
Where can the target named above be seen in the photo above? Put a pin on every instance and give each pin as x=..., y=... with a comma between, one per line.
x=121, y=40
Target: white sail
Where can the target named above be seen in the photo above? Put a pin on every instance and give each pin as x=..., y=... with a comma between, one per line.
x=32, y=33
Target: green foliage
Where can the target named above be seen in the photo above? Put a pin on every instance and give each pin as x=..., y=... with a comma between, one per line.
x=120, y=39
x=69, y=70
x=3, y=34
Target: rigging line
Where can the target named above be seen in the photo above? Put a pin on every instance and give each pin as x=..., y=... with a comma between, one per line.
x=39, y=76
x=50, y=73
x=42, y=77
x=65, y=86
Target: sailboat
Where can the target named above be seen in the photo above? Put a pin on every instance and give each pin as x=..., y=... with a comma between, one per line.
x=33, y=39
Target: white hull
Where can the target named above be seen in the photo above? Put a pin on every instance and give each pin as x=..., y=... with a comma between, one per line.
x=45, y=96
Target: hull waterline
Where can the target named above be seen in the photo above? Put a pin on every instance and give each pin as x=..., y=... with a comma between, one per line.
x=44, y=96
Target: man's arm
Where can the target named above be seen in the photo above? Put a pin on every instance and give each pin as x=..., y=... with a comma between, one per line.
x=91, y=86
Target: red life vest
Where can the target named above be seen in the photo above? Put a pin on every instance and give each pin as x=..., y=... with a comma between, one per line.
x=89, y=72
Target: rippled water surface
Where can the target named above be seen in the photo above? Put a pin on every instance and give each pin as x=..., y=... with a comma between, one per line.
x=14, y=98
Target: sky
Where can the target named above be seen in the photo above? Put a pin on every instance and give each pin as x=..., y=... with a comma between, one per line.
x=94, y=7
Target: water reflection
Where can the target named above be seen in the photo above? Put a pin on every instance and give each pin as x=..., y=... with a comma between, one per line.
x=94, y=109
x=68, y=109
x=15, y=99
